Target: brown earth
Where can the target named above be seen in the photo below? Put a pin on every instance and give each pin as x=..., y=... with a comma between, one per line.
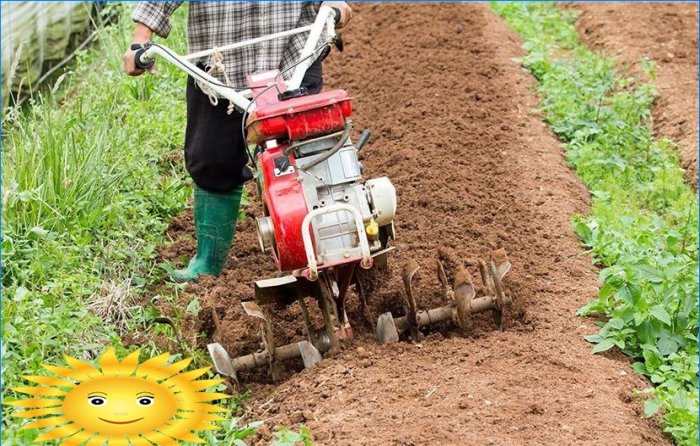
x=668, y=34
x=475, y=169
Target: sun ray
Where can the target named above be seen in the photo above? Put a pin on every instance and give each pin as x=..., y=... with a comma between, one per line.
x=200, y=416
x=109, y=363
x=46, y=422
x=77, y=375
x=202, y=407
x=82, y=366
x=77, y=439
x=118, y=441
x=170, y=370
x=33, y=413
x=40, y=391
x=202, y=426
x=151, y=365
x=49, y=381
x=58, y=432
x=160, y=439
x=186, y=377
x=97, y=440
x=201, y=397
x=140, y=441
x=204, y=384
x=181, y=433
x=195, y=419
x=35, y=403
x=131, y=362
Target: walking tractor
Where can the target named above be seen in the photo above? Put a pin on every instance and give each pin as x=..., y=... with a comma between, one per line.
x=321, y=221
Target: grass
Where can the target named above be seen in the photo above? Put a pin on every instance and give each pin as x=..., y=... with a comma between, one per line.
x=92, y=175
x=88, y=190
x=642, y=227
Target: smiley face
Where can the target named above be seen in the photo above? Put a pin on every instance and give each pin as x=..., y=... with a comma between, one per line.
x=120, y=405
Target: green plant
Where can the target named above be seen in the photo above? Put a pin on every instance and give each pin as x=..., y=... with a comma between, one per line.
x=88, y=191
x=91, y=178
x=286, y=437
x=642, y=227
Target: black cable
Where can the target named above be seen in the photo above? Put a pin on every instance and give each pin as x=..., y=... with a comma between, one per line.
x=245, y=115
x=335, y=149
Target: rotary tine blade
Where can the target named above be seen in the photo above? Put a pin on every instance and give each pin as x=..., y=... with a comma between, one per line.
x=492, y=276
x=442, y=277
x=222, y=361
x=386, y=331
x=500, y=265
x=268, y=341
x=408, y=273
x=309, y=354
x=464, y=293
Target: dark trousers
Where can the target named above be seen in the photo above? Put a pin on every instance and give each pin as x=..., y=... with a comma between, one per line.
x=215, y=148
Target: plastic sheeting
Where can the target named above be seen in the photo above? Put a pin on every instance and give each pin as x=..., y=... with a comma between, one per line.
x=38, y=32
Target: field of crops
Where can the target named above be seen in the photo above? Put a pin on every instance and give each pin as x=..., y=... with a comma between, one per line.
x=504, y=125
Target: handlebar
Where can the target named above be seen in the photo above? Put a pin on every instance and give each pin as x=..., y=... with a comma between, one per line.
x=326, y=19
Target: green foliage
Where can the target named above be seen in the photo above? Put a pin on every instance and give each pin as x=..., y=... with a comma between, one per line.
x=642, y=228
x=88, y=190
x=92, y=175
x=233, y=433
x=286, y=437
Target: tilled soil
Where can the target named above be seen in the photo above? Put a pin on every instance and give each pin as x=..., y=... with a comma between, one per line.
x=668, y=34
x=475, y=169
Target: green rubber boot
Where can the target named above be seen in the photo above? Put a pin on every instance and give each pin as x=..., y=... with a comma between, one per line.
x=215, y=218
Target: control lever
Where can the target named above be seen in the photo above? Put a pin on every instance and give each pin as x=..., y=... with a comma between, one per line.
x=364, y=137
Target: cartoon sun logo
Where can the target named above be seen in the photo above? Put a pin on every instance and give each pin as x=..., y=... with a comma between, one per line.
x=121, y=403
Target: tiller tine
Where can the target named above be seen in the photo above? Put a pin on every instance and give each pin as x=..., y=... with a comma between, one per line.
x=492, y=276
x=460, y=295
x=309, y=354
x=222, y=361
x=386, y=331
x=388, y=328
x=270, y=355
x=464, y=293
x=408, y=273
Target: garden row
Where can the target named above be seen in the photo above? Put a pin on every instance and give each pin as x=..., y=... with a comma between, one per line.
x=642, y=227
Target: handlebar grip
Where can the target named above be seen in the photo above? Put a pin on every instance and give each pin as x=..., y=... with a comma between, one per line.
x=140, y=61
x=336, y=14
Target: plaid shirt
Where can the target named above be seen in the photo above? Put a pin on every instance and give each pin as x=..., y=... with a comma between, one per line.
x=215, y=24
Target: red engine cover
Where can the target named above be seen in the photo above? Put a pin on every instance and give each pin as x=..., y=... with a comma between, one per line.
x=294, y=119
x=300, y=118
x=285, y=204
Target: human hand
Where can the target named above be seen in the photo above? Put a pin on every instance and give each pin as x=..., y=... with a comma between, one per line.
x=142, y=34
x=345, y=12
x=130, y=66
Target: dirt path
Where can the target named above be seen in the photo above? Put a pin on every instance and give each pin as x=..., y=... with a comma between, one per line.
x=668, y=34
x=475, y=170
